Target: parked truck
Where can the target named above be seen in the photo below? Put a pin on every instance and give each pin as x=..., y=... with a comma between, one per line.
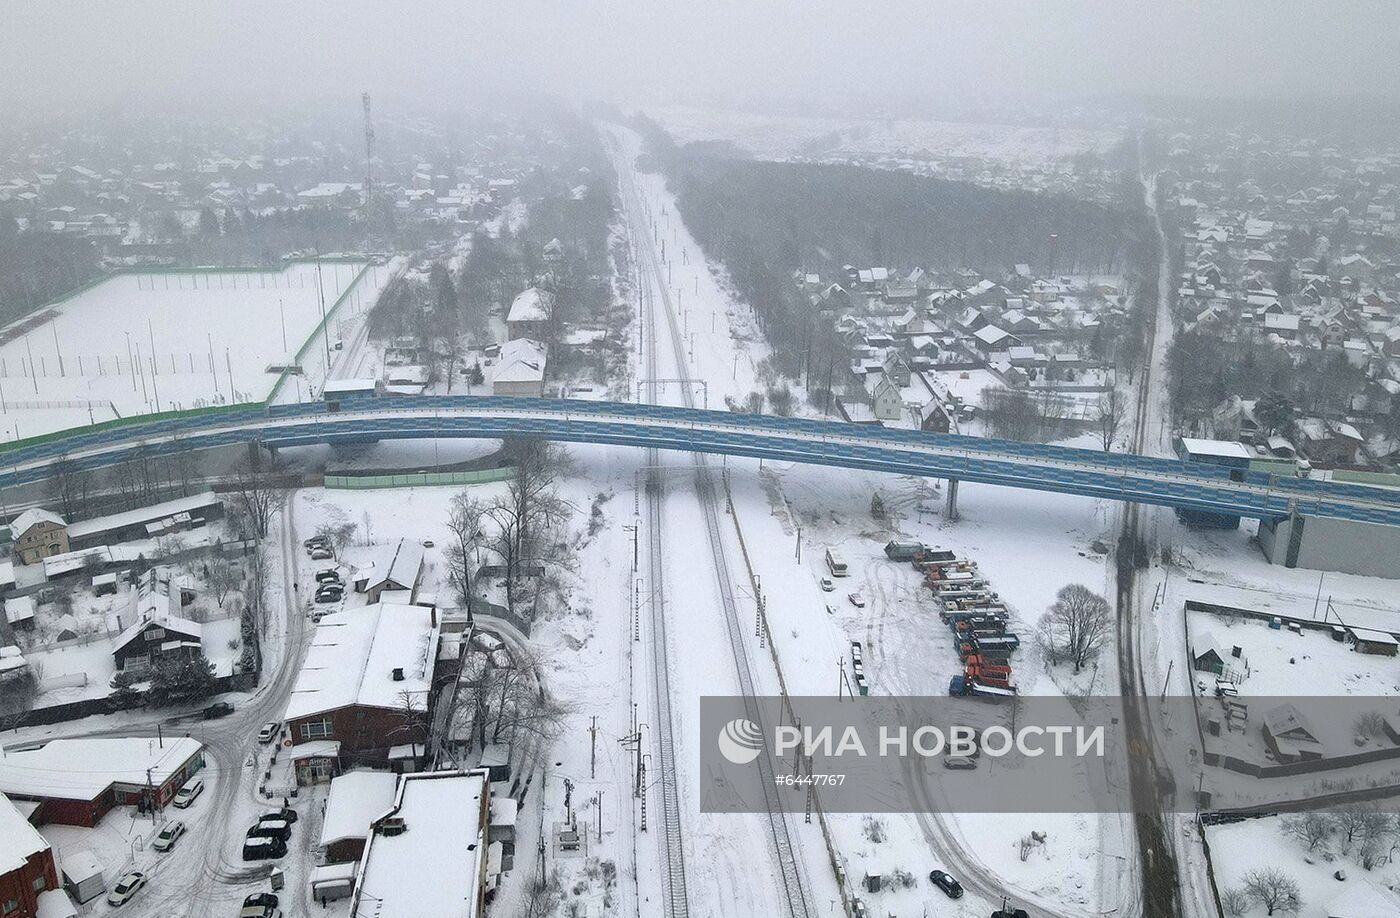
x=961, y=686
x=985, y=675
x=902, y=550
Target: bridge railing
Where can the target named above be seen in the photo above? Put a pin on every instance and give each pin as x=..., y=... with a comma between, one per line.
x=1075, y=470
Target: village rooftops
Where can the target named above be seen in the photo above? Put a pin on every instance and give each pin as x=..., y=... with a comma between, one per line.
x=354, y=657
x=81, y=769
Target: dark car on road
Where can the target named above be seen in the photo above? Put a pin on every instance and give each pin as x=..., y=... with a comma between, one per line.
x=951, y=887
x=218, y=709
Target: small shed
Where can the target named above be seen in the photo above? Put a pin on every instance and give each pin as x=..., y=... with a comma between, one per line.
x=1207, y=658
x=333, y=881
x=1379, y=643
x=82, y=876
x=19, y=611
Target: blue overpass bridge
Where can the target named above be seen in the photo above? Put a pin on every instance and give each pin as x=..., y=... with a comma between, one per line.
x=1116, y=476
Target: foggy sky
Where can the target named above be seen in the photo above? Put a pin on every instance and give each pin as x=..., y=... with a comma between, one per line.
x=686, y=51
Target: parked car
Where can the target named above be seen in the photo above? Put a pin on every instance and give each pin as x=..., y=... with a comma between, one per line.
x=951, y=887
x=857, y=600
x=268, y=733
x=323, y=597
x=959, y=762
x=328, y=576
x=313, y=542
x=126, y=887
x=218, y=709
x=286, y=814
x=187, y=793
x=168, y=836
x=273, y=826
x=263, y=848
x=321, y=553
x=428, y=543
x=262, y=899
x=827, y=585
x=260, y=911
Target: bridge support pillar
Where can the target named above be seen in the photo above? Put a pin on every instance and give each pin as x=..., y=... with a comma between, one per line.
x=952, y=511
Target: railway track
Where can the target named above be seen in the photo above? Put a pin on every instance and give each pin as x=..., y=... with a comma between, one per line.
x=1157, y=858
x=794, y=891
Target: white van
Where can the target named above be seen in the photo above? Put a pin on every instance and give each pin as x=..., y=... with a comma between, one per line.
x=187, y=794
x=836, y=564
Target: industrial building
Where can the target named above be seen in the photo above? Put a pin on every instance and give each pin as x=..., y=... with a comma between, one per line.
x=78, y=781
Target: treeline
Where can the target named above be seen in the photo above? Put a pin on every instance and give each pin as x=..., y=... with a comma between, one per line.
x=1206, y=369
x=763, y=220
x=37, y=267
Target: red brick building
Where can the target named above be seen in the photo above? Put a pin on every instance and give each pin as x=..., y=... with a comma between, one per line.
x=363, y=690
x=78, y=781
x=26, y=864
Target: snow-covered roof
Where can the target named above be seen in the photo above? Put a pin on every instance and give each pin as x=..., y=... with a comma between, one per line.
x=357, y=798
x=342, y=386
x=159, y=615
x=1220, y=449
x=354, y=654
x=522, y=360
x=18, y=839
x=432, y=868
x=81, y=769
x=142, y=515
x=990, y=334
x=529, y=305
x=32, y=517
x=19, y=609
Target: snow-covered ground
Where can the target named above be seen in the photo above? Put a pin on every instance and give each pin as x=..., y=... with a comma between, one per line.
x=138, y=343
x=1258, y=844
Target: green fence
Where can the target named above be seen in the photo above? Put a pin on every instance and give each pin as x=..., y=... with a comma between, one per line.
x=1281, y=467
x=1379, y=479
x=419, y=479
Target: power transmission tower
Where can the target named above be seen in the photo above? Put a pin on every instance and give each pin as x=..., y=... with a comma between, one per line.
x=369, y=152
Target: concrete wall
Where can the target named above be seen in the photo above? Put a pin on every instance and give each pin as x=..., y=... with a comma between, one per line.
x=1332, y=545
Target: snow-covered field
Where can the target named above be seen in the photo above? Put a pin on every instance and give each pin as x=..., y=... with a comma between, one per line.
x=1258, y=844
x=138, y=343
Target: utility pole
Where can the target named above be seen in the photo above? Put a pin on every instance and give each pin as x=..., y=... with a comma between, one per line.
x=593, y=748
x=799, y=544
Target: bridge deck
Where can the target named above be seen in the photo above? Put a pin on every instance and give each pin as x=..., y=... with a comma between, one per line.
x=1119, y=476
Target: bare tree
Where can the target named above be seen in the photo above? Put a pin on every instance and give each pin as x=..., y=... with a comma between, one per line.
x=528, y=510
x=68, y=487
x=464, y=519
x=1108, y=418
x=1273, y=889
x=1234, y=901
x=500, y=699
x=1360, y=823
x=1076, y=625
x=338, y=534
x=1311, y=828
x=222, y=578
x=259, y=487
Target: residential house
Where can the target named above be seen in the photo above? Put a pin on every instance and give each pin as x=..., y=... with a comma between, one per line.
x=529, y=314
x=889, y=400
x=38, y=534
x=1289, y=735
x=520, y=369
x=1326, y=442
